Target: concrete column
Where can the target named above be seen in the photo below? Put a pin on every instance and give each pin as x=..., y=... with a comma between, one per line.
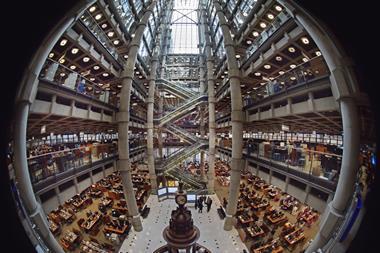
x=257, y=170
x=307, y=193
x=91, y=177
x=236, y=118
x=104, y=170
x=211, y=106
x=71, y=80
x=149, y=125
x=289, y=106
x=159, y=129
x=123, y=120
x=57, y=192
x=287, y=179
x=114, y=166
x=76, y=185
x=270, y=176
x=51, y=70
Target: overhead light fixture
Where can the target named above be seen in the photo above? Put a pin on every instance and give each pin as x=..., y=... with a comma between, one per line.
x=105, y=74
x=100, y=84
x=140, y=77
x=99, y=16
x=255, y=33
x=63, y=42
x=96, y=67
x=62, y=74
x=132, y=35
x=257, y=74
x=237, y=56
x=92, y=79
x=267, y=66
x=263, y=25
x=225, y=72
x=126, y=56
x=305, y=59
x=89, y=87
x=318, y=53
x=119, y=86
x=51, y=55
x=278, y=8
x=242, y=85
x=278, y=58
x=222, y=76
x=292, y=78
x=73, y=67
x=108, y=88
x=292, y=66
x=116, y=42
x=305, y=40
x=110, y=34
x=262, y=84
x=282, y=82
x=86, y=59
x=74, y=50
x=137, y=72
x=92, y=8
x=281, y=72
x=291, y=49
x=270, y=16
x=217, y=84
x=62, y=60
x=104, y=26
x=134, y=104
x=249, y=42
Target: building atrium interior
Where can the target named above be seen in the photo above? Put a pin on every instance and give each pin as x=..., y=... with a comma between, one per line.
x=190, y=126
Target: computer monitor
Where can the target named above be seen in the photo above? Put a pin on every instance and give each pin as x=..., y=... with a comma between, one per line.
x=161, y=192
x=191, y=198
x=172, y=190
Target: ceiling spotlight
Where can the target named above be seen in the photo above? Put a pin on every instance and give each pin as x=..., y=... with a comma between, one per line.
x=140, y=77
x=92, y=79
x=105, y=74
x=291, y=49
x=255, y=33
x=104, y=25
x=292, y=78
x=62, y=60
x=217, y=84
x=93, y=8
x=51, y=55
x=270, y=16
x=110, y=34
x=62, y=74
x=74, y=50
x=262, y=83
x=137, y=72
x=305, y=59
x=119, y=86
x=237, y=56
x=281, y=72
x=267, y=66
x=305, y=40
x=257, y=74
x=86, y=59
x=249, y=42
x=63, y=42
x=318, y=53
x=99, y=16
x=73, y=67
x=263, y=25
x=100, y=84
x=96, y=67
x=278, y=8
x=132, y=35
x=225, y=72
x=89, y=87
x=278, y=58
x=126, y=56
x=242, y=85
x=116, y=42
x=282, y=82
x=292, y=66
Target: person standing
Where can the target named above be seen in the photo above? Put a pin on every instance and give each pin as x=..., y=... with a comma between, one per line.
x=200, y=206
x=209, y=203
x=196, y=204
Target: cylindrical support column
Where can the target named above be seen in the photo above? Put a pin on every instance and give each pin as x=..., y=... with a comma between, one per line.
x=307, y=193
x=211, y=106
x=57, y=194
x=270, y=176
x=159, y=129
x=287, y=179
x=236, y=118
x=257, y=170
x=123, y=120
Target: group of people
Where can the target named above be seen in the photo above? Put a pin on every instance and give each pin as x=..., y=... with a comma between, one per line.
x=201, y=201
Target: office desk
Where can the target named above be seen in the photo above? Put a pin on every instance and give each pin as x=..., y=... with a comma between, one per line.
x=277, y=220
x=245, y=218
x=294, y=237
x=91, y=221
x=255, y=231
x=116, y=230
x=271, y=245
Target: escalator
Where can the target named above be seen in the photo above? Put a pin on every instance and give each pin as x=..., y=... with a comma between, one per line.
x=175, y=88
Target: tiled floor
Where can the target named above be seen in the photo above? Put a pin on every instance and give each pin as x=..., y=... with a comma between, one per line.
x=213, y=236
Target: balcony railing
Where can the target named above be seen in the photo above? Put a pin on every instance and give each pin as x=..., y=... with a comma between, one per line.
x=59, y=74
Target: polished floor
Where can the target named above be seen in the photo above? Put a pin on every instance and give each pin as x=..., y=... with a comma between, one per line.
x=213, y=236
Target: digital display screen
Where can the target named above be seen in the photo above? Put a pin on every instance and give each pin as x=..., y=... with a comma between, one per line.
x=373, y=160
x=172, y=189
x=161, y=191
x=191, y=197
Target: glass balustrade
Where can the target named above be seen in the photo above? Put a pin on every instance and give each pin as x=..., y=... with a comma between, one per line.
x=264, y=36
x=88, y=20
x=302, y=74
x=61, y=75
x=125, y=13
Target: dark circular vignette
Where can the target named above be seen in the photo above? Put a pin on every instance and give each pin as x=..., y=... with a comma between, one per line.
x=28, y=22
